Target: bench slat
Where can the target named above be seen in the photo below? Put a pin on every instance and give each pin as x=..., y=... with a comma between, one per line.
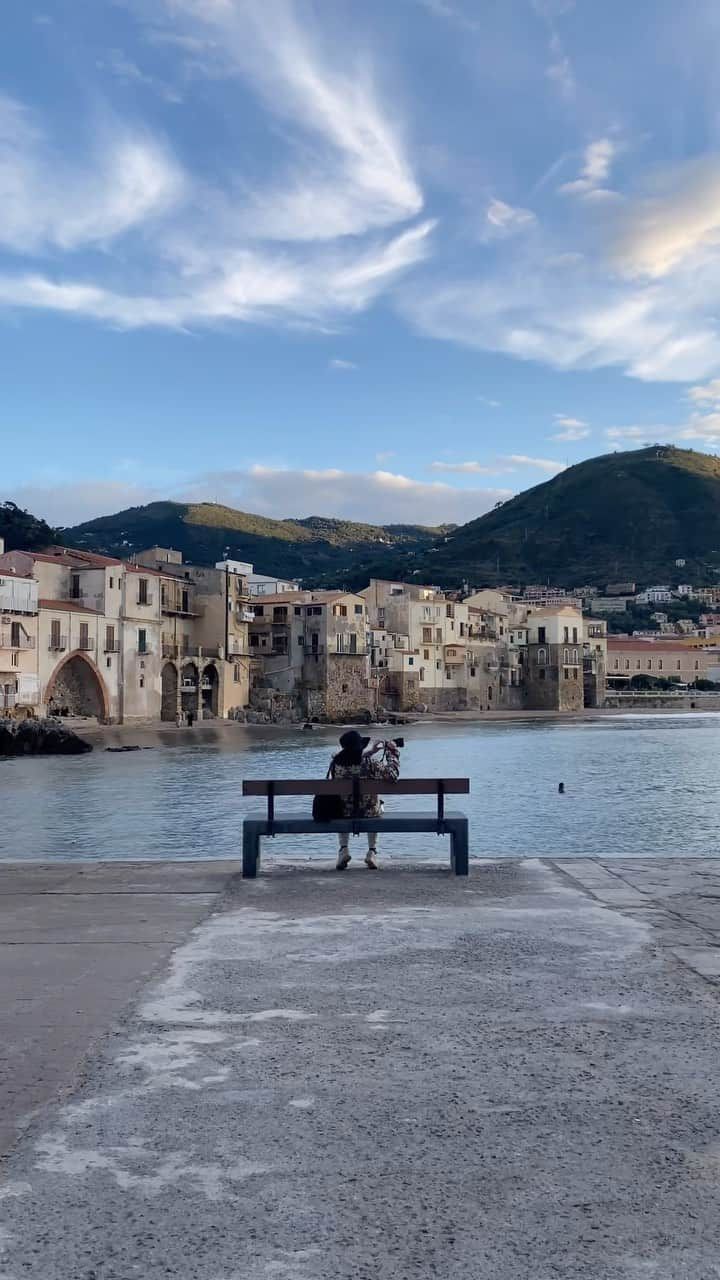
x=368, y=787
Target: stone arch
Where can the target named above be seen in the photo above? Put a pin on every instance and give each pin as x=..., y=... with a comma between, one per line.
x=189, y=688
x=169, y=703
x=77, y=684
x=210, y=689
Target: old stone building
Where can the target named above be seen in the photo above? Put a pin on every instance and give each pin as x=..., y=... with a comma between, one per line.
x=311, y=646
x=19, y=684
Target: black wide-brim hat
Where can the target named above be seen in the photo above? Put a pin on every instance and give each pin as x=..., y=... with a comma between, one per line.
x=353, y=741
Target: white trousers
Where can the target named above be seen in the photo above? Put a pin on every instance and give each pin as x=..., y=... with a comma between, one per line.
x=372, y=839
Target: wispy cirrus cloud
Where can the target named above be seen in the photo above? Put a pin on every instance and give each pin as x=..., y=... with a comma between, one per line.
x=471, y=468
x=205, y=254
x=345, y=366
x=506, y=219
x=541, y=464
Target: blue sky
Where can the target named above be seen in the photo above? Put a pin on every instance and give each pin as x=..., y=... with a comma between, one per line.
x=390, y=259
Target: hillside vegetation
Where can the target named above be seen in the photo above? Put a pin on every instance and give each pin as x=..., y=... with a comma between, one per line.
x=620, y=516
x=320, y=551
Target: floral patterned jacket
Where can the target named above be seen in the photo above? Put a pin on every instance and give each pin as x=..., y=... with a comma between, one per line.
x=384, y=769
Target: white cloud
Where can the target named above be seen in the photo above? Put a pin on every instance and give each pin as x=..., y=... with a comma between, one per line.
x=570, y=429
x=381, y=497
x=47, y=202
x=470, y=468
x=542, y=464
x=128, y=72
x=708, y=393
x=664, y=230
x=354, y=175
x=343, y=364
x=243, y=287
x=491, y=404
x=507, y=219
x=595, y=171
x=560, y=69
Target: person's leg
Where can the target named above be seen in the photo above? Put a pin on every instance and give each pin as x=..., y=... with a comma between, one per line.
x=343, y=857
x=371, y=855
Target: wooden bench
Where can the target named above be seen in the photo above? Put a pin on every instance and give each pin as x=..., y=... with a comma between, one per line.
x=453, y=824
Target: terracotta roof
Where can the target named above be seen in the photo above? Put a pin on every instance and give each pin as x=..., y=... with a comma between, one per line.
x=302, y=597
x=74, y=557
x=66, y=606
x=654, y=646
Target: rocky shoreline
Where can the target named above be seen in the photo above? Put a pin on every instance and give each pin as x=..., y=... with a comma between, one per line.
x=32, y=737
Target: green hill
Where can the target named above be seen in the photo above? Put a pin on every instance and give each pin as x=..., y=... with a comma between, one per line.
x=320, y=551
x=20, y=530
x=627, y=515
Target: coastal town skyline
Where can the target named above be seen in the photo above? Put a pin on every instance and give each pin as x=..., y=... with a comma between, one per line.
x=275, y=254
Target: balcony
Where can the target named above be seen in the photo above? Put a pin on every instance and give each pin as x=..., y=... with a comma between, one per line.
x=246, y=615
x=111, y=646
x=181, y=607
x=146, y=602
x=201, y=651
x=21, y=641
x=169, y=650
x=57, y=643
x=144, y=653
x=316, y=650
x=236, y=648
x=86, y=644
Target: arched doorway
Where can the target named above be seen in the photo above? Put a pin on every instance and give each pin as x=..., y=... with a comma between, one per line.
x=189, y=688
x=168, y=705
x=210, y=684
x=77, y=686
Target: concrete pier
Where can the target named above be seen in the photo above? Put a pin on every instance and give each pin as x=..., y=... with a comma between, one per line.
x=358, y=1077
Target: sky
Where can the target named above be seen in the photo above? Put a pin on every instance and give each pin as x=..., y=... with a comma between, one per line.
x=389, y=260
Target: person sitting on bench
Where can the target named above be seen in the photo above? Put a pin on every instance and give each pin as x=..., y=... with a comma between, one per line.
x=355, y=760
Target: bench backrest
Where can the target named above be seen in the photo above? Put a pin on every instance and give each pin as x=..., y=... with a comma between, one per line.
x=367, y=787
x=356, y=788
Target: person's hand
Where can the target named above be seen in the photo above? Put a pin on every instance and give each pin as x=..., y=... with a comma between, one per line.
x=378, y=746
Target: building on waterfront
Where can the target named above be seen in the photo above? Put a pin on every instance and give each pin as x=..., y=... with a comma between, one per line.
x=19, y=685
x=263, y=584
x=312, y=647
x=664, y=658
x=204, y=654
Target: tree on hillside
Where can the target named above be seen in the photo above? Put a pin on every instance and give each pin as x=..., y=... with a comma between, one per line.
x=23, y=531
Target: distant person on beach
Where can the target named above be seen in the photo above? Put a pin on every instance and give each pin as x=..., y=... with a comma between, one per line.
x=356, y=761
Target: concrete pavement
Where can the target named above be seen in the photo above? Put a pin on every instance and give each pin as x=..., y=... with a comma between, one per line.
x=398, y=1075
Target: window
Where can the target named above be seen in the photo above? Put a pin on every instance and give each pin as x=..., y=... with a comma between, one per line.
x=438, y=665
x=462, y=629
x=660, y=666
x=627, y=664
x=259, y=611
x=55, y=633
x=109, y=639
x=452, y=626
x=490, y=693
x=84, y=636
x=542, y=657
x=574, y=635
x=566, y=673
x=541, y=635
x=427, y=635
x=566, y=634
x=426, y=654
x=422, y=674
x=345, y=688
x=301, y=640
x=75, y=586
x=143, y=591
x=575, y=656
x=697, y=666
x=112, y=583
x=142, y=640
x=360, y=608
x=566, y=653
x=14, y=635
x=678, y=664
x=237, y=673
x=637, y=664
x=298, y=610
x=473, y=671
x=108, y=661
x=142, y=682
x=15, y=659
x=411, y=662
x=438, y=635
x=649, y=664
x=575, y=674
x=617, y=663
x=541, y=673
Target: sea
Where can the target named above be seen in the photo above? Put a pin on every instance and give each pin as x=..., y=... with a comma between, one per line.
x=634, y=785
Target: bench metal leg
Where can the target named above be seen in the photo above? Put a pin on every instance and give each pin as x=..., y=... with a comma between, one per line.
x=459, y=848
x=250, y=851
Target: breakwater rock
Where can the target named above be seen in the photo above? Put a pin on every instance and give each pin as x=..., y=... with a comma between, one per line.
x=39, y=737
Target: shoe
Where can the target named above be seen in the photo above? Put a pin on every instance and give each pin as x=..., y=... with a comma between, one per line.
x=370, y=862
x=343, y=860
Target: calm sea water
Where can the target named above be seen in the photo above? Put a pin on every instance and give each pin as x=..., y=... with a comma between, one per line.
x=641, y=786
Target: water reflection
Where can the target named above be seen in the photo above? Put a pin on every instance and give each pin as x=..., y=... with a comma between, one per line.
x=639, y=786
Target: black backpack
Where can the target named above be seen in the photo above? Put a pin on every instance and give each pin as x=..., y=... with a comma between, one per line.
x=328, y=808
